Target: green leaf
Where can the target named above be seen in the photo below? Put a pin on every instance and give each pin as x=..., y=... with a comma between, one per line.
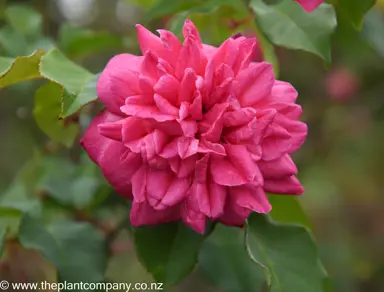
x=224, y=262
x=75, y=41
x=72, y=103
x=70, y=184
x=168, y=7
x=56, y=67
x=213, y=18
x=10, y=220
x=168, y=251
x=5, y=64
x=13, y=42
x=289, y=253
x=267, y=49
x=354, y=10
x=2, y=239
x=24, y=19
x=287, y=209
x=373, y=30
x=47, y=111
x=76, y=249
x=286, y=24
x=21, y=69
x=19, y=198
x=78, y=83
x=75, y=88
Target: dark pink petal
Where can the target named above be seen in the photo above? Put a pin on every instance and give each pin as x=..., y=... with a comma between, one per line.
x=171, y=128
x=171, y=149
x=190, y=29
x=150, y=42
x=184, y=110
x=111, y=130
x=277, y=141
x=212, y=123
x=254, y=83
x=118, y=165
x=211, y=198
x=196, y=109
x=177, y=192
x=289, y=110
x=191, y=56
x=142, y=99
x=93, y=142
x=234, y=215
x=225, y=54
x=217, y=196
x=183, y=167
x=118, y=81
x=143, y=214
x=289, y=186
x=209, y=51
x=239, y=157
x=168, y=87
x=187, y=147
x=283, y=92
x=146, y=84
x=171, y=42
x=208, y=147
x=189, y=128
x=279, y=168
x=158, y=182
x=243, y=133
x=239, y=117
x=165, y=106
x=139, y=181
x=298, y=131
x=201, y=170
x=146, y=112
x=149, y=66
x=252, y=198
x=134, y=129
x=187, y=85
x=225, y=173
x=191, y=214
x=246, y=54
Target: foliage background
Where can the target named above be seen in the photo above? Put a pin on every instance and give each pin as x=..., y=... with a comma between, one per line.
x=341, y=163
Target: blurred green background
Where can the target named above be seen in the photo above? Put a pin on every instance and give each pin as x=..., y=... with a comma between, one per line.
x=341, y=163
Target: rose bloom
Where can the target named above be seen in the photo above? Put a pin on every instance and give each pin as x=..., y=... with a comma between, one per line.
x=341, y=84
x=191, y=131
x=310, y=5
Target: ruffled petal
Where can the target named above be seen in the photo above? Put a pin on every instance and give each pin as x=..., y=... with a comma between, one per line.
x=119, y=80
x=252, y=198
x=93, y=142
x=288, y=185
x=254, y=83
x=225, y=173
x=191, y=214
x=143, y=214
x=279, y=168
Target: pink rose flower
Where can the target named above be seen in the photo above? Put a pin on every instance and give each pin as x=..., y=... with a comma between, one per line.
x=341, y=84
x=309, y=5
x=192, y=131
